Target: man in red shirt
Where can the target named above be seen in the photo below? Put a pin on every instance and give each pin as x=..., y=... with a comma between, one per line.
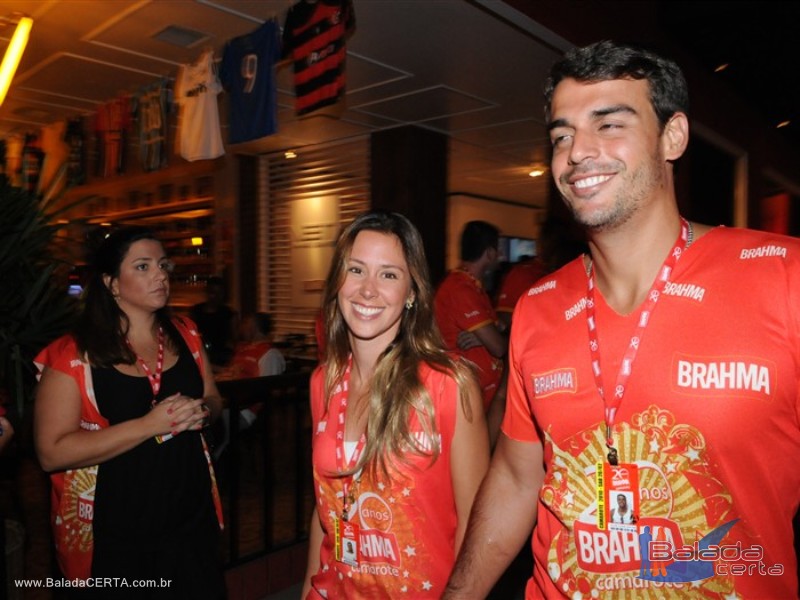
x=662, y=364
x=463, y=307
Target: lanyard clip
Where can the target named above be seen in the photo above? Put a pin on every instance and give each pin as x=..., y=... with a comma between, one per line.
x=613, y=455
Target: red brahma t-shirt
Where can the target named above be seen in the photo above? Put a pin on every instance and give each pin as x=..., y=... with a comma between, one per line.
x=710, y=416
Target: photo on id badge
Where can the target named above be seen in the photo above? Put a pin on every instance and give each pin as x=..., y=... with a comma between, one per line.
x=622, y=497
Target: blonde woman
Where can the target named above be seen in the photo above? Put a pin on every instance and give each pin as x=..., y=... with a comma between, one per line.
x=400, y=443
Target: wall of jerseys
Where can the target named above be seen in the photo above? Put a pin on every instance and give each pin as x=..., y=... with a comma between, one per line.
x=178, y=116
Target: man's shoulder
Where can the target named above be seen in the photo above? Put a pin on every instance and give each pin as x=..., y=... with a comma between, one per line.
x=730, y=234
x=569, y=280
x=455, y=282
x=752, y=243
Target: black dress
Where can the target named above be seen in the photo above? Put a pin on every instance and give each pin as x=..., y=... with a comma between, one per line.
x=154, y=517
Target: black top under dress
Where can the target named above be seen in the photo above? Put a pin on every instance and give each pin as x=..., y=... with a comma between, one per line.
x=154, y=514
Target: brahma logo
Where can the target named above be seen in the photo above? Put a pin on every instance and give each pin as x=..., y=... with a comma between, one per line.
x=765, y=251
x=553, y=382
x=538, y=289
x=723, y=375
x=685, y=290
x=378, y=543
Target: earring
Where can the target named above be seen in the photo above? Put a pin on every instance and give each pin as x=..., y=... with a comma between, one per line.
x=409, y=304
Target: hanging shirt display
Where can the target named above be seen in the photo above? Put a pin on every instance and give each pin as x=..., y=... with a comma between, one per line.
x=14, y=144
x=196, y=96
x=314, y=38
x=75, y=139
x=152, y=110
x=32, y=160
x=247, y=75
x=112, y=123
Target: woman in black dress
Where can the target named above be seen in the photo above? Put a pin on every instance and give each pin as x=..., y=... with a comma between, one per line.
x=130, y=390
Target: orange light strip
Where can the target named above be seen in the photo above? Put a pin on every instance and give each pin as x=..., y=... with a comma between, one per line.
x=13, y=54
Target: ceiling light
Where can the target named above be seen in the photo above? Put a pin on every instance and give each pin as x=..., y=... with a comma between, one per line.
x=783, y=124
x=721, y=67
x=290, y=154
x=537, y=172
x=13, y=54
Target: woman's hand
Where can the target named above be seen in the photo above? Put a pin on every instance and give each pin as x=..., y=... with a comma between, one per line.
x=62, y=443
x=179, y=413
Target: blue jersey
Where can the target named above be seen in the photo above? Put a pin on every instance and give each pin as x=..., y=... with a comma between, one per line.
x=247, y=75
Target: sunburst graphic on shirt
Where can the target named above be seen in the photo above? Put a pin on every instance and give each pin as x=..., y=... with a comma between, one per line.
x=679, y=499
x=78, y=508
x=391, y=561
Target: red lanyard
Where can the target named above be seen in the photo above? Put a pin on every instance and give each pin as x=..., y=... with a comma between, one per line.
x=339, y=400
x=154, y=378
x=612, y=402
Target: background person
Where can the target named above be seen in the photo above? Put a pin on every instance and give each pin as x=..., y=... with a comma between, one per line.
x=517, y=281
x=127, y=374
x=464, y=311
x=216, y=322
x=400, y=443
x=717, y=300
x=255, y=356
x=519, y=278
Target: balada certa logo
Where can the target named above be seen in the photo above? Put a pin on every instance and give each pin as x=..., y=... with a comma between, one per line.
x=662, y=561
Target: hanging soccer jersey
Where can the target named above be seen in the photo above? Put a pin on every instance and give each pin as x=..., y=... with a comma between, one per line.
x=152, y=108
x=32, y=160
x=112, y=123
x=196, y=94
x=75, y=139
x=314, y=38
x=13, y=153
x=247, y=75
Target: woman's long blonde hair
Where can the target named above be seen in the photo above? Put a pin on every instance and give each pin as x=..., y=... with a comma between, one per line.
x=395, y=388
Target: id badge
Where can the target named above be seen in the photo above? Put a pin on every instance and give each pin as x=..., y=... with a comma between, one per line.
x=346, y=542
x=617, y=496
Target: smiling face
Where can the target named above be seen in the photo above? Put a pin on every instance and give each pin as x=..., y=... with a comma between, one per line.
x=376, y=286
x=143, y=281
x=609, y=153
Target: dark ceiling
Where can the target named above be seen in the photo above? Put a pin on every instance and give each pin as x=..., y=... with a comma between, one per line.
x=757, y=40
x=457, y=77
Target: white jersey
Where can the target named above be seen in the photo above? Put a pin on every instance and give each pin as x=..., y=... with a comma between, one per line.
x=196, y=93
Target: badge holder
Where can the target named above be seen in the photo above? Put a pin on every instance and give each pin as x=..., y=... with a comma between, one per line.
x=617, y=496
x=346, y=531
